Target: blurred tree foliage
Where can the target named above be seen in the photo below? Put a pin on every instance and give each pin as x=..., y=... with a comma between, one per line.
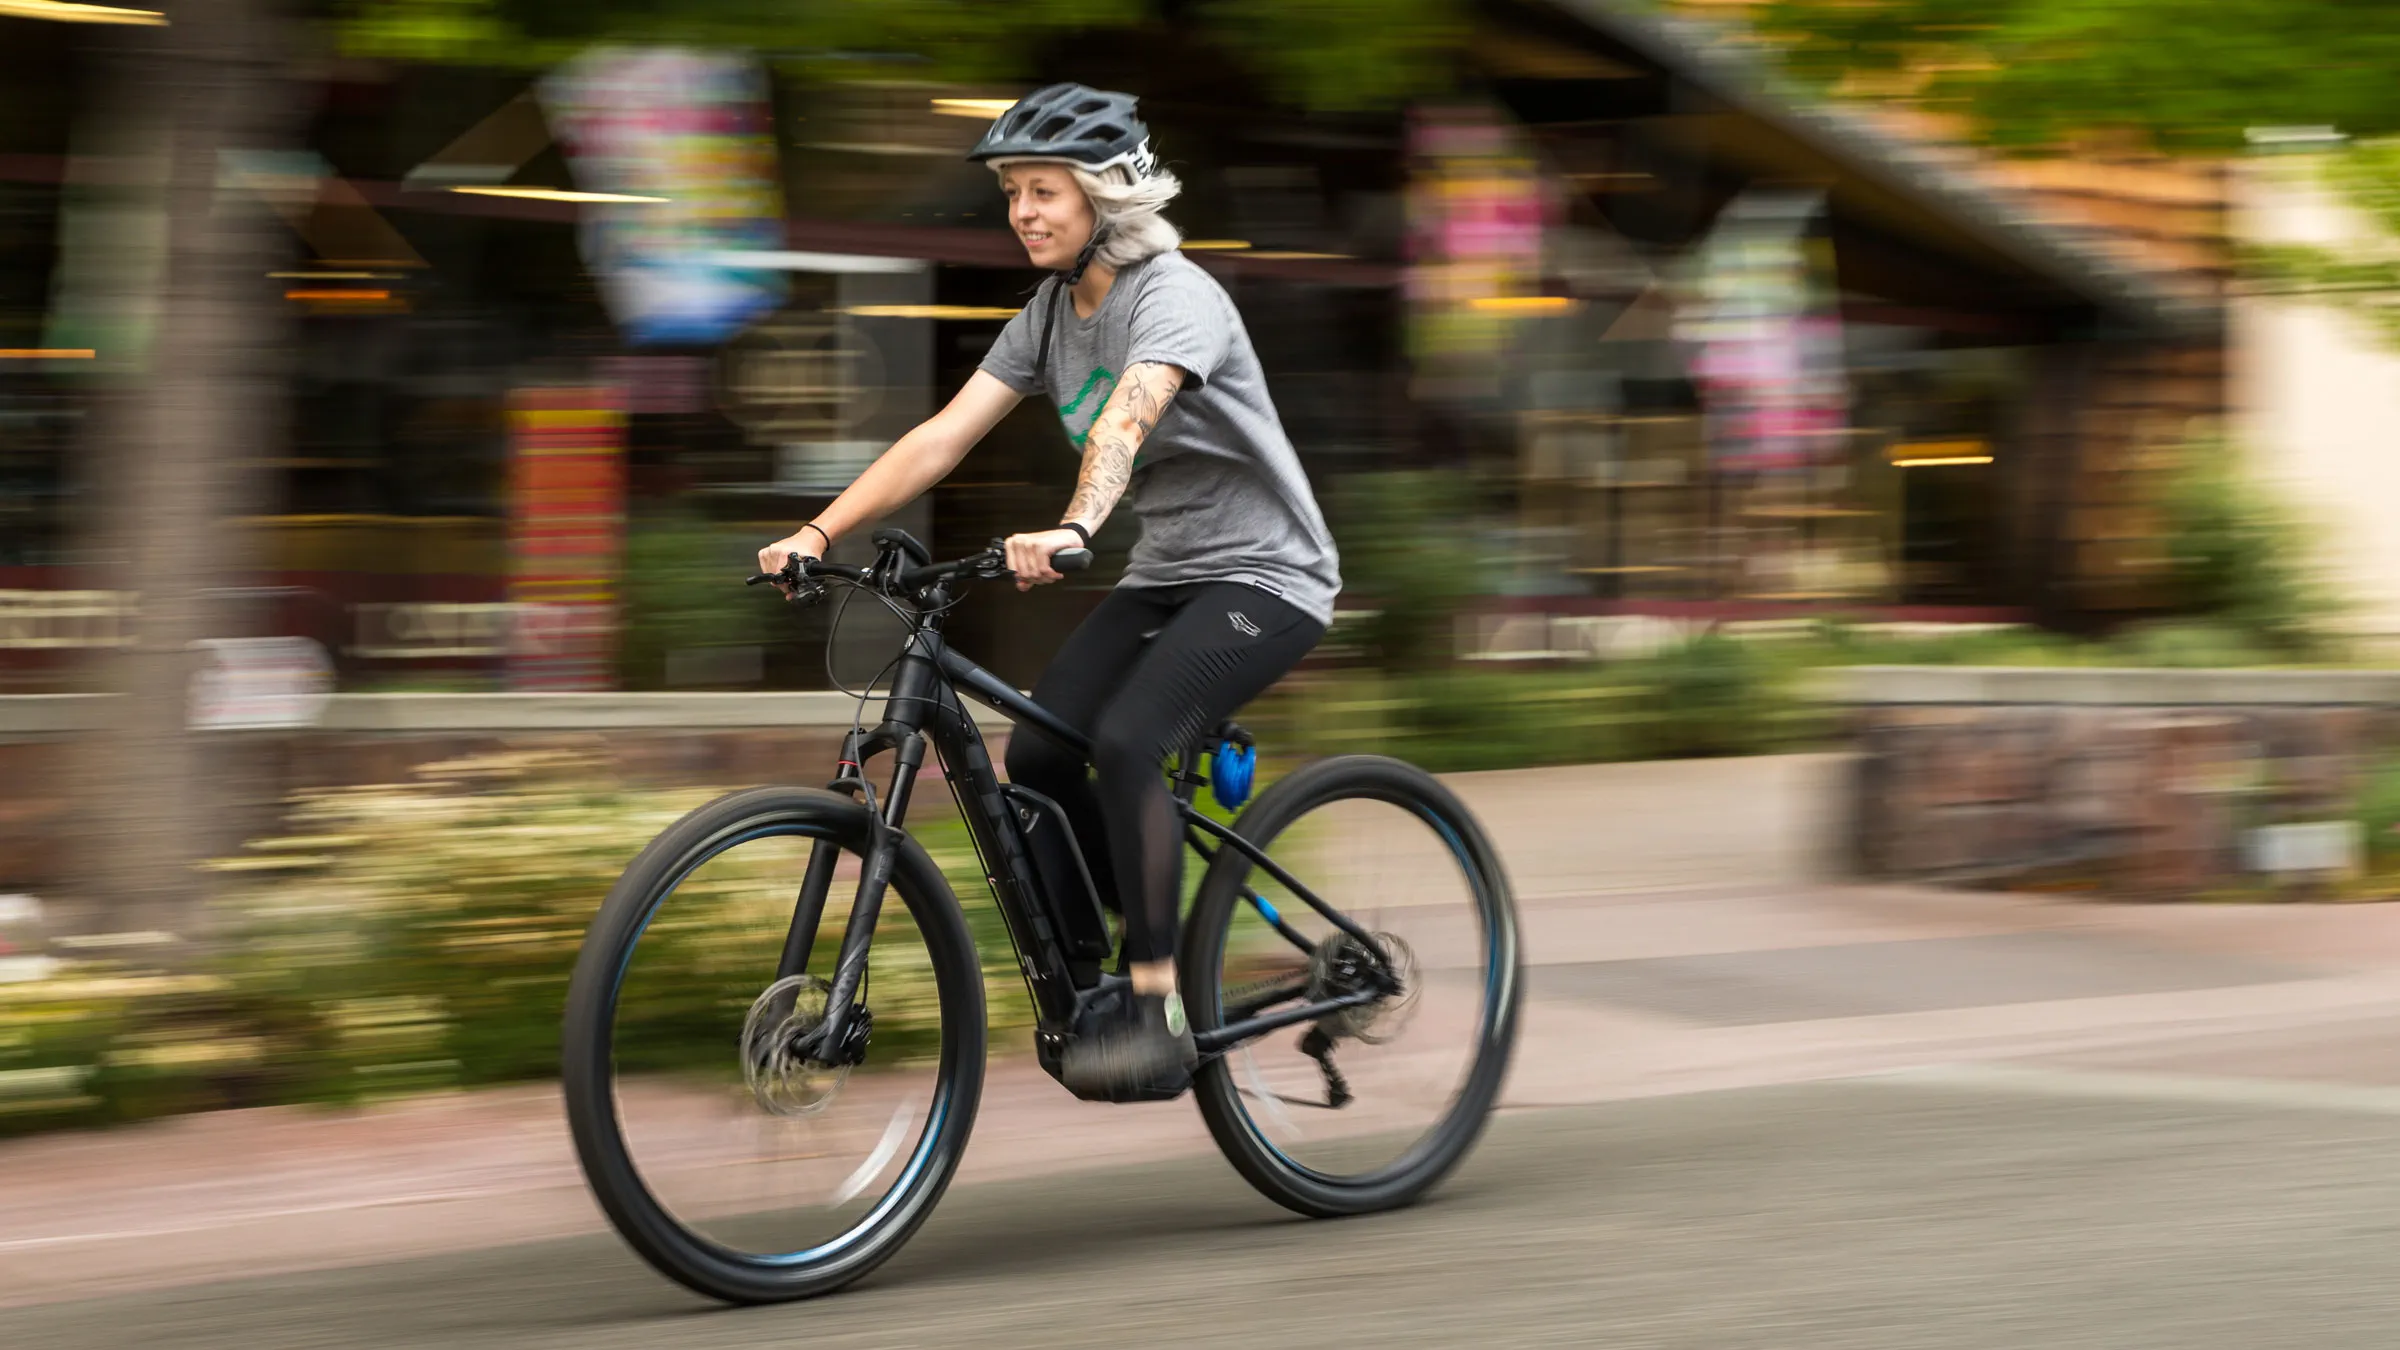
x=963, y=39
x=2188, y=75
x=2362, y=279
x=1327, y=54
x=2191, y=74
x=1344, y=54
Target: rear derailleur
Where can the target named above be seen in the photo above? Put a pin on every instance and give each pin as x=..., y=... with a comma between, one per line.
x=1342, y=967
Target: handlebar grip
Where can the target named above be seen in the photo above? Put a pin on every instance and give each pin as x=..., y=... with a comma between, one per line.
x=1071, y=559
x=760, y=577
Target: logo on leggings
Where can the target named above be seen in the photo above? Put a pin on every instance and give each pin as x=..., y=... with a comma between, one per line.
x=1241, y=623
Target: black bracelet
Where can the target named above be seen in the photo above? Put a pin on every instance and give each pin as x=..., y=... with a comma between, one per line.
x=812, y=525
x=1080, y=532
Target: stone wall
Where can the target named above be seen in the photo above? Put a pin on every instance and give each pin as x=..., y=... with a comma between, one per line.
x=2139, y=784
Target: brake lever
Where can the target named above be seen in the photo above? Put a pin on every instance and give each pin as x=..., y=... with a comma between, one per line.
x=805, y=588
x=993, y=565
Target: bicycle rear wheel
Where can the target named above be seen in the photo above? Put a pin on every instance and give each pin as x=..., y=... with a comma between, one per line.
x=730, y=1157
x=1364, y=1109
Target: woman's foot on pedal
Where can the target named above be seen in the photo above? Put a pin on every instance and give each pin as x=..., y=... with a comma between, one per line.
x=1139, y=1051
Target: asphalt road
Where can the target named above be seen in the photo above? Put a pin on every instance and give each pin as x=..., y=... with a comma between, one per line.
x=1961, y=1215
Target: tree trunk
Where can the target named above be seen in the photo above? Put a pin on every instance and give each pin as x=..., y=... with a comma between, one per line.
x=176, y=433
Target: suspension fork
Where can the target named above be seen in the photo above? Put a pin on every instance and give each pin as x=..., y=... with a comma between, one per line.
x=847, y=1021
x=808, y=909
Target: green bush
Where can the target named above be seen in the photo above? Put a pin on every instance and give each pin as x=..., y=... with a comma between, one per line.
x=2379, y=816
x=2238, y=556
x=1718, y=694
x=1406, y=551
x=417, y=937
x=683, y=592
x=1713, y=696
x=2190, y=645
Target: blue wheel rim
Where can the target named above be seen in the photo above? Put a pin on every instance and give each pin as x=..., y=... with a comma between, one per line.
x=919, y=1159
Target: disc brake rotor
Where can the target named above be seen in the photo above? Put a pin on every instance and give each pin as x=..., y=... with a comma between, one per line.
x=779, y=1048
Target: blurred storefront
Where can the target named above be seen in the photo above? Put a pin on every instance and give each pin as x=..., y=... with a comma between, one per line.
x=1689, y=348
x=1779, y=360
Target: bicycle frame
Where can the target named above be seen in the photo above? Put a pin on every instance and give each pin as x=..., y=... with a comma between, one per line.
x=924, y=706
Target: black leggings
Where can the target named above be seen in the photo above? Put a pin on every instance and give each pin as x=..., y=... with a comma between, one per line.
x=1217, y=646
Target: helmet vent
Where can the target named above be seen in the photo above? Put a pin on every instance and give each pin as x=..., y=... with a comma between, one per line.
x=1094, y=128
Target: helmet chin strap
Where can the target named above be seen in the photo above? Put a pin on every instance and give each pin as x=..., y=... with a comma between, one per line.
x=1066, y=282
x=1083, y=260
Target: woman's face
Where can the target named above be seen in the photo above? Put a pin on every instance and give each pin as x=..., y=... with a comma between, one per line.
x=1048, y=211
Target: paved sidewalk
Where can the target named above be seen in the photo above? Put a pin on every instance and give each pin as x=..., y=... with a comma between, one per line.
x=1874, y=1214
x=291, y=1189
x=1714, y=974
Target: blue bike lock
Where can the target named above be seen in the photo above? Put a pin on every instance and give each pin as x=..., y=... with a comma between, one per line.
x=1230, y=774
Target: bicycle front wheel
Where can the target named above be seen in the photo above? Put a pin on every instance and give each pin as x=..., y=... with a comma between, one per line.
x=725, y=1148
x=1366, y=1108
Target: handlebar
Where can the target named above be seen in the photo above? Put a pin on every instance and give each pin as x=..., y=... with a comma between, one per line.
x=991, y=563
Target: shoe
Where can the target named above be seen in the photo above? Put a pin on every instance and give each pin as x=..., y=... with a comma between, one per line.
x=1140, y=1050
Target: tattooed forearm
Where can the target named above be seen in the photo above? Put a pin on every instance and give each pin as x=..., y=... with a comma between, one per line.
x=1140, y=400
x=1107, y=468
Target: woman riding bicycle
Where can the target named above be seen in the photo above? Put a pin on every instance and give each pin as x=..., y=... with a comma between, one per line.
x=1233, y=578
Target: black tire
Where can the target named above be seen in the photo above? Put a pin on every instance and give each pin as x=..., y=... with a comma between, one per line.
x=1441, y=1147
x=588, y=1065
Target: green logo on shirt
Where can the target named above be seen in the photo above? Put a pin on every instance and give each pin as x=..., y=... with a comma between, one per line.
x=1068, y=410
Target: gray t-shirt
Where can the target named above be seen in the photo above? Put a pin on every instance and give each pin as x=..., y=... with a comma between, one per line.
x=1217, y=487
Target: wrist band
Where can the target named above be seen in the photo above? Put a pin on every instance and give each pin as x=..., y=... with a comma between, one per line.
x=812, y=525
x=1080, y=532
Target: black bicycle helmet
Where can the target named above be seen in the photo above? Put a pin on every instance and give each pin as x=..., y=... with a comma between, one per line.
x=1088, y=127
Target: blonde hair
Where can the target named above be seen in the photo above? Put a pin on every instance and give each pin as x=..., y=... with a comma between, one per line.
x=1130, y=209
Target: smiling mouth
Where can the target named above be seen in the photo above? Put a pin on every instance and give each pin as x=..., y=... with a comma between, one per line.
x=1035, y=238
